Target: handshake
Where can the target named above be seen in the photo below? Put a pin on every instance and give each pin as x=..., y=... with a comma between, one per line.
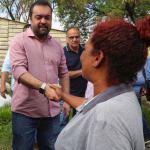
x=53, y=92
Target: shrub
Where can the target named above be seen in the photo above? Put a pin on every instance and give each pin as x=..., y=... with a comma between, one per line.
x=5, y=115
x=146, y=113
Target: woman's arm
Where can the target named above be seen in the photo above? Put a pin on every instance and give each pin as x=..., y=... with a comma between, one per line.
x=74, y=101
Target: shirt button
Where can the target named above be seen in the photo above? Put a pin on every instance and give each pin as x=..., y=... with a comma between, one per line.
x=47, y=72
x=46, y=62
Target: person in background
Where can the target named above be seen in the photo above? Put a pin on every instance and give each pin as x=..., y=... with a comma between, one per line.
x=143, y=27
x=6, y=69
x=148, y=79
x=37, y=59
x=73, y=51
x=139, y=89
x=112, y=120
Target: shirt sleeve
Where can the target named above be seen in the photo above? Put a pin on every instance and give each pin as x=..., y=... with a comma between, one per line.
x=6, y=65
x=18, y=57
x=107, y=137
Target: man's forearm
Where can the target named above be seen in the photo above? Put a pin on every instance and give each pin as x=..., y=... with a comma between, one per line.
x=75, y=74
x=30, y=81
x=4, y=76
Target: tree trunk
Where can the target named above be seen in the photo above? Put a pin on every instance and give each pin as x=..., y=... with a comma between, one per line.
x=10, y=13
x=130, y=10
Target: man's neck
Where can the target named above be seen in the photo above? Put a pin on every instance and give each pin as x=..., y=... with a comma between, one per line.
x=41, y=38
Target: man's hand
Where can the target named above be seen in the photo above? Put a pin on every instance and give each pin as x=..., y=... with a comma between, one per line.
x=58, y=90
x=3, y=91
x=51, y=94
x=66, y=107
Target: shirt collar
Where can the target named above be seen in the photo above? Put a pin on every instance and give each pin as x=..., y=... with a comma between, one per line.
x=31, y=34
x=104, y=96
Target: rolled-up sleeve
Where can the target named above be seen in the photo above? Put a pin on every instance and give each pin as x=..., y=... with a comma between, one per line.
x=18, y=57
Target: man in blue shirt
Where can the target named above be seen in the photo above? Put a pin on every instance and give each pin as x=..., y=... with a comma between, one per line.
x=6, y=69
x=73, y=51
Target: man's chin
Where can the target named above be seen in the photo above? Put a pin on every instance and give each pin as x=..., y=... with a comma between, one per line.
x=75, y=46
x=43, y=33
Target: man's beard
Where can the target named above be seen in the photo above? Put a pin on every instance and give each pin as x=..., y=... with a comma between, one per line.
x=44, y=32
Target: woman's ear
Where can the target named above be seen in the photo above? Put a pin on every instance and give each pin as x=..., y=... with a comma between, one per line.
x=99, y=57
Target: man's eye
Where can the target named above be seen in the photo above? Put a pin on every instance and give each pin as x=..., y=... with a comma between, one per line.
x=38, y=18
x=48, y=18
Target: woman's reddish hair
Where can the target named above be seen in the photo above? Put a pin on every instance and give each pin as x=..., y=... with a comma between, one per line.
x=123, y=49
x=143, y=26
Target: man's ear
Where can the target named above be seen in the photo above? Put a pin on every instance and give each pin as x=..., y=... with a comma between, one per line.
x=99, y=57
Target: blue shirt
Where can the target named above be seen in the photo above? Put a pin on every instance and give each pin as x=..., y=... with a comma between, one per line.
x=7, y=68
x=77, y=85
x=148, y=69
x=139, y=83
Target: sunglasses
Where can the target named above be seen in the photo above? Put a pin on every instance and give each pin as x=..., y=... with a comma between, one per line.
x=72, y=37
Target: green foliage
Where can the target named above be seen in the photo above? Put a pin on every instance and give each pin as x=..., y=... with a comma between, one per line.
x=5, y=129
x=146, y=113
x=71, y=114
x=6, y=137
x=84, y=13
x=5, y=115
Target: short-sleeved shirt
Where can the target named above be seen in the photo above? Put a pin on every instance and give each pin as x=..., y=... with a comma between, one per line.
x=77, y=85
x=45, y=61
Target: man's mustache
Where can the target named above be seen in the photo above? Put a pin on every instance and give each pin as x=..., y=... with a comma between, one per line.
x=43, y=26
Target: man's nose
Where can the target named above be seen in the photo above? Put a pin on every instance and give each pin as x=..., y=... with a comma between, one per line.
x=74, y=39
x=43, y=20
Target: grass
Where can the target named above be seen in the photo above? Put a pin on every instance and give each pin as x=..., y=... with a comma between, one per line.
x=5, y=128
x=146, y=111
x=5, y=115
x=146, y=114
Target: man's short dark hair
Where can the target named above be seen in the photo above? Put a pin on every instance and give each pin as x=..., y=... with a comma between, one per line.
x=39, y=2
x=72, y=27
x=26, y=26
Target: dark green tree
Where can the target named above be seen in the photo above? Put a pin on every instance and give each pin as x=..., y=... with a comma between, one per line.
x=84, y=13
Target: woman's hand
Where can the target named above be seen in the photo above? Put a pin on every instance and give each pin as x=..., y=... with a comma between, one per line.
x=58, y=91
x=143, y=91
